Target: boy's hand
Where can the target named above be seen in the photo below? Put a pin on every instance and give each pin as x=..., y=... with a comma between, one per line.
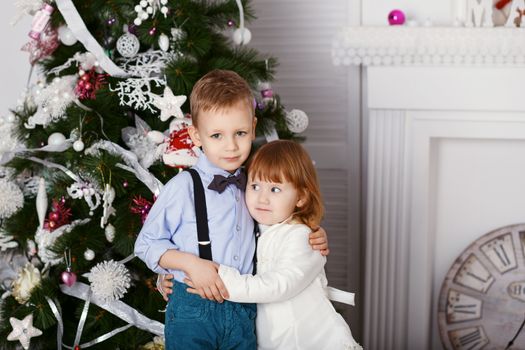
x=205, y=279
x=164, y=285
x=319, y=241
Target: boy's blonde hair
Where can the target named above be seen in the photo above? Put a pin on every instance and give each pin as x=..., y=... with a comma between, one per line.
x=219, y=89
x=287, y=161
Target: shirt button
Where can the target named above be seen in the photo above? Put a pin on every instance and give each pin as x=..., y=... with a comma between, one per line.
x=237, y=198
x=238, y=228
x=235, y=257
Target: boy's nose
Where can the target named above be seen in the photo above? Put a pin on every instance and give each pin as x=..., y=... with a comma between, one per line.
x=231, y=144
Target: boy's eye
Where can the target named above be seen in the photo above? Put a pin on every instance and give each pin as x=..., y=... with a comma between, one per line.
x=256, y=187
x=275, y=190
x=242, y=133
x=215, y=136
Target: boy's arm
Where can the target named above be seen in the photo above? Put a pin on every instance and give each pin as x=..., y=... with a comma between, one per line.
x=297, y=266
x=202, y=273
x=319, y=241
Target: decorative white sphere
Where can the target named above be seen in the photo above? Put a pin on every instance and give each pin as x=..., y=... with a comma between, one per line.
x=109, y=232
x=66, y=36
x=242, y=36
x=296, y=120
x=78, y=145
x=128, y=45
x=156, y=136
x=164, y=42
x=89, y=254
x=56, y=139
x=137, y=21
x=143, y=3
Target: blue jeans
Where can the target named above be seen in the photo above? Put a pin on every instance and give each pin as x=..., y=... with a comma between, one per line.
x=201, y=324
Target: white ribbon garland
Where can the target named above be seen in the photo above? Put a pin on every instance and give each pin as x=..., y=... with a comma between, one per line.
x=117, y=308
x=79, y=29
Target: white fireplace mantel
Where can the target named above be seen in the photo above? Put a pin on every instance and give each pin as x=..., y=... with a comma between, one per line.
x=444, y=144
x=443, y=46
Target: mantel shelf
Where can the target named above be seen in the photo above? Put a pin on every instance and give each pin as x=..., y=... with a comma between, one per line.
x=429, y=46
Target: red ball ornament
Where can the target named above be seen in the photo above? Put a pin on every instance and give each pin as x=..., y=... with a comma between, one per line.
x=52, y=224
x=53, y=216
x=77, y=347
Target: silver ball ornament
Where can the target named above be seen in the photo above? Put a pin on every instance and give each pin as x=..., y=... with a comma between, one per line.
x=66, y=36
x=89, y=254
x=78, y=145
x=242, y=36
x=296, y=120
x=56, y=139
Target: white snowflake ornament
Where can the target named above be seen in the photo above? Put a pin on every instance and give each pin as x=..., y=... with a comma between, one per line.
x=11, y=200
x=23, y=330
x=128, y=44
x=109, y=280
x=169, y=104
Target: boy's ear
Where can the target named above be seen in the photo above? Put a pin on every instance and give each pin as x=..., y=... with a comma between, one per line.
x=253, y=127
x=194, y=135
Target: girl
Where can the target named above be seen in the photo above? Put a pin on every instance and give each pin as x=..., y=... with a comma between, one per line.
x=290, y=287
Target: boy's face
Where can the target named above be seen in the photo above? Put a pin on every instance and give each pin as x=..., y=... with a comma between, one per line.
x=225, y=135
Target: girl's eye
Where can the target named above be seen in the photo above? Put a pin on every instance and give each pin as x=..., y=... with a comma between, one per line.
x=215, y=136
x=255, y=187
x=276, y=189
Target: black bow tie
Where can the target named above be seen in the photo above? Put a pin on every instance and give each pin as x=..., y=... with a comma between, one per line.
x=220, y=182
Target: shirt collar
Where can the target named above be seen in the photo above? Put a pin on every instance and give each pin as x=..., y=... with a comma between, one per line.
x=210, y=169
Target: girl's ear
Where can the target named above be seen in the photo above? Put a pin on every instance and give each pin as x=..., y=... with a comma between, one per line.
x=301, y=201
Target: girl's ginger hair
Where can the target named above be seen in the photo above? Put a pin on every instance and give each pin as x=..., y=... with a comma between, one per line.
x=219, y=89
x=287, y=161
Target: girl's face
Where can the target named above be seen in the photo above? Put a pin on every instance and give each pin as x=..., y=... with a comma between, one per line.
x=271, y=202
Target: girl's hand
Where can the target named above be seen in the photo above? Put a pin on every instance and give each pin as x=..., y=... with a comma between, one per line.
x=205, y=280
x=164, y=285
x=192, y=290
x=319, y=241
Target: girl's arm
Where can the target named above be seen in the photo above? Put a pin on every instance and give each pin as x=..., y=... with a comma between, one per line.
x=296, y=267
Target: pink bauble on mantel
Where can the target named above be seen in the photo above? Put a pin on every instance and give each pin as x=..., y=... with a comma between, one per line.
x=396, y=17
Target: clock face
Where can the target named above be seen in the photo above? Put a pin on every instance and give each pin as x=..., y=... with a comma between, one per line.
x=482, y=300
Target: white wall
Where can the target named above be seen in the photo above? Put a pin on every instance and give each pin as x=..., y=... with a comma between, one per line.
x=14, y=66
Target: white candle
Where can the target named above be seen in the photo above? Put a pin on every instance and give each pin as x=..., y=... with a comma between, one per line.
x=460, y=11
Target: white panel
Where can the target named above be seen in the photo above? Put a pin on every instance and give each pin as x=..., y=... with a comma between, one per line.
x=478, y=188
x=299, y=34
x=430, y=89
x=15, y=66
x=386, y=248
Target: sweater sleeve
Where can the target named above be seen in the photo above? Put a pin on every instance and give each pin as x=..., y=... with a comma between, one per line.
x=297, y=265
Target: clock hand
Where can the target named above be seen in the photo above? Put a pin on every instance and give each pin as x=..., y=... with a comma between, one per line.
x=511, y=342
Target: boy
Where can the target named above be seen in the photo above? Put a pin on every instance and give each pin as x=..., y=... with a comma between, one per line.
x=170, y=241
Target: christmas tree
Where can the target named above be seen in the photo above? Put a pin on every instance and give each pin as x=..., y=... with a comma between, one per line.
x=89, y=147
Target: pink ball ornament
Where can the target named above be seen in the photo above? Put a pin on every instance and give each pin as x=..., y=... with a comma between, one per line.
x=396, y=17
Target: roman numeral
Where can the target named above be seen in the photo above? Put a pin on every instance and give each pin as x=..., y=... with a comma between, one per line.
x=472, y=338
x=502, y=254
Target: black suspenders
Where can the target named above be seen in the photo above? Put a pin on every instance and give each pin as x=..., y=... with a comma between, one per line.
x=201, y=215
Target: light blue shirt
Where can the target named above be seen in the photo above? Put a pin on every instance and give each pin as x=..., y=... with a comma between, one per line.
x=171, y=223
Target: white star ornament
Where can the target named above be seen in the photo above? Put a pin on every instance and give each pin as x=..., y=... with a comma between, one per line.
x=169, y=104
x=23, y=330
